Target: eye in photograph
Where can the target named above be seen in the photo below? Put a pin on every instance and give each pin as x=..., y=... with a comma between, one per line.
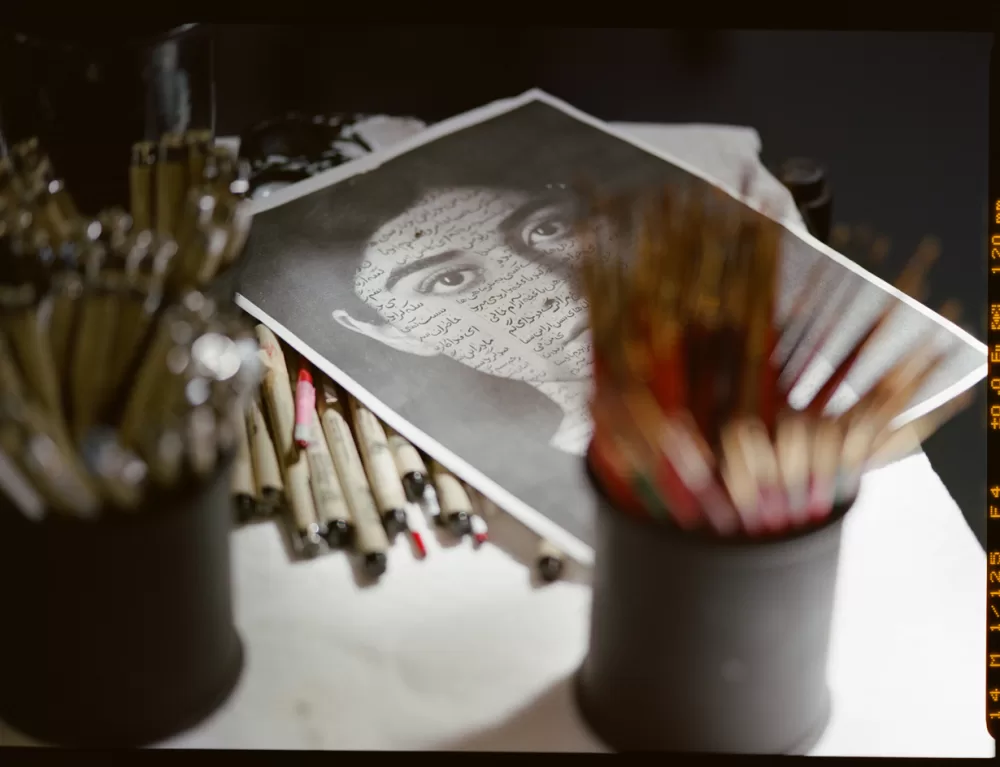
x=546, y=226
x=452, y=279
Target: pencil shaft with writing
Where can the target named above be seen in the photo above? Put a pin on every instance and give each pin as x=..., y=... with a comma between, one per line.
x=369, y=535
x=331, y=505
x=456, y=508
x=298, y=493
x=266, y=469
x=380, y=467
x=410, y=465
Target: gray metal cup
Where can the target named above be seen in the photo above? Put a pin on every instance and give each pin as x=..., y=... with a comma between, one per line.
x=708, y=645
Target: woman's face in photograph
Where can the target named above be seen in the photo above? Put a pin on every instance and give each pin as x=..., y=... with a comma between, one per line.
x=483, y=276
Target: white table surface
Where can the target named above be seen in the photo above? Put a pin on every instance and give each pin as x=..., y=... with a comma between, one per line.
x=463, y=651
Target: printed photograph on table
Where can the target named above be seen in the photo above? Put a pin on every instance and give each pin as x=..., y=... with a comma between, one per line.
x=435, y=282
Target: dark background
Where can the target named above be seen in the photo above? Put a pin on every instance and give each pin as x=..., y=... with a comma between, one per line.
x=900, y=119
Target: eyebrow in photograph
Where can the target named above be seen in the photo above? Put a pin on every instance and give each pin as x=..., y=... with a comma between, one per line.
x=419, y=265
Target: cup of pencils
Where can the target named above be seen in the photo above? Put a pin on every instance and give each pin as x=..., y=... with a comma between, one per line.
x=122, y=385
x=719, y=505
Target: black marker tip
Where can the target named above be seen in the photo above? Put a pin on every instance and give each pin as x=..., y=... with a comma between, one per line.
x=550, y=568
x=415, y=483
x=460, y=524
x=374, y=564
x=272, y=501
x=246, y=508
x=339, y=533
x=394, y=521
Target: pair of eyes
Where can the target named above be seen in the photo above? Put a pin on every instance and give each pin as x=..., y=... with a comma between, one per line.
x=542, y=228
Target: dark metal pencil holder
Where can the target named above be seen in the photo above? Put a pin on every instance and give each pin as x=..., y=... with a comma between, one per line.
x=700, y=644
x=118, y=632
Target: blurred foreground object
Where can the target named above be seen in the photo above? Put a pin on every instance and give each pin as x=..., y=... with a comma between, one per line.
x=718, y=501
x=112, y=357
x=88, y=90
x=694, y=367
x=122, y=392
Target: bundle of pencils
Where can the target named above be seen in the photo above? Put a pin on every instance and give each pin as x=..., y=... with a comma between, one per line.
x=190, y=190
x=694, y=368
x=116, y=374
x=345, y=479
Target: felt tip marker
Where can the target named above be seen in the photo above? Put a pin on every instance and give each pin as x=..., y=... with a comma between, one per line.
x=305, y=407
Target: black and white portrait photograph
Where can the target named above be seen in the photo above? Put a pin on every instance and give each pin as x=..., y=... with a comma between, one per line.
x=437, y=286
